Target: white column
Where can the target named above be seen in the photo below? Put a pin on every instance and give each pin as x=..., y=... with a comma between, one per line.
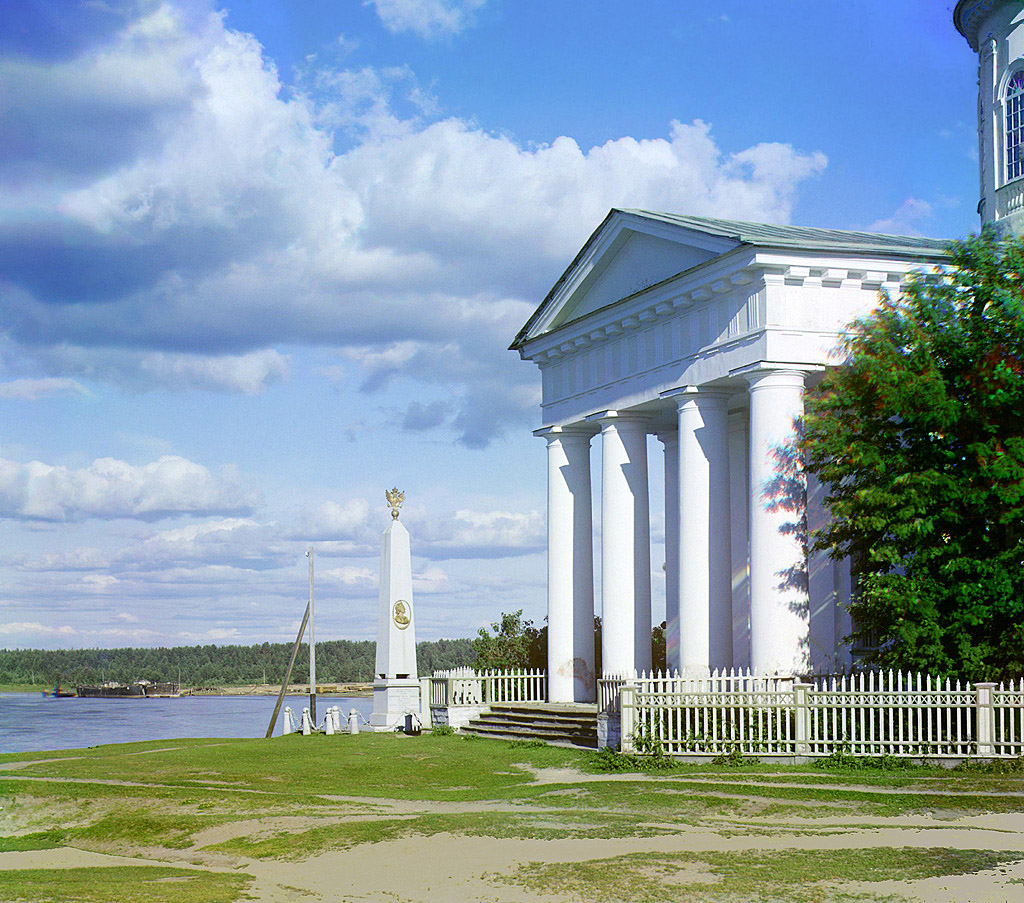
x=570, y=566
x=778, y=604
x=739, y=509
x=625, y=544
x=705, y=586
x=670, y=439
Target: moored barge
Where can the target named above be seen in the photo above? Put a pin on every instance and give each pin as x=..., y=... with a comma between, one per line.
x=140, y=689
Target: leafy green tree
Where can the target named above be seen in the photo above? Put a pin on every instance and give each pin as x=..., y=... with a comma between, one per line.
x=659, y=664
x=515, y=643
x=919, y=440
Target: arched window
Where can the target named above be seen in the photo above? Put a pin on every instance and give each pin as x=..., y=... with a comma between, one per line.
x=1015, y=126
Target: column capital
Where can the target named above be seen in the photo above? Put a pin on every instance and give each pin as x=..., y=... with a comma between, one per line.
x=684, y=395
x=761, y=369
x=605, y=418
x=773, y=379
x=573, y=432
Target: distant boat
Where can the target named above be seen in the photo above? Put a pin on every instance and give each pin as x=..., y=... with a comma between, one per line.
x=140, y=689
x=58, y=693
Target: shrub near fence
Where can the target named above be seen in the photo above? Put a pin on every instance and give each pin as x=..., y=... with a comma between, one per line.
x=872, y=713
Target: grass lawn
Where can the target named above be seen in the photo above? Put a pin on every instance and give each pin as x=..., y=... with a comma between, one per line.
x=227, y=820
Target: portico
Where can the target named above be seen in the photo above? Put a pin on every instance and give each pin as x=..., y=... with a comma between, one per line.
x=704, y=333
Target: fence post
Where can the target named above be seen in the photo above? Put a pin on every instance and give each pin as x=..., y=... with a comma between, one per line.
x=984, y=719
x=627, y=715
x=425, y=718
x=802, y=717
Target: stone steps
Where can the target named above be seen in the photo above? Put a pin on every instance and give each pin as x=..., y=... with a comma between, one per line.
x=559, y=725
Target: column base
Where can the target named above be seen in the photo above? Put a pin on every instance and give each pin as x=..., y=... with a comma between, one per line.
x=393, y=699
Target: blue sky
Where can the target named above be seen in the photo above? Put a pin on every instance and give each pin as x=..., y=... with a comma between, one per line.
x=260, y=261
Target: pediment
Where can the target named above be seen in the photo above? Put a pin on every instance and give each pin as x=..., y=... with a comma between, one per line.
x=627, y=254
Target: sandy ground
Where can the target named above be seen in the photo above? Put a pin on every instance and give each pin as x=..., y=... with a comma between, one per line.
x=444, y=868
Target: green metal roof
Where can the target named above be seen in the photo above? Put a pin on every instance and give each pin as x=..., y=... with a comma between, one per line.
x=767, y=235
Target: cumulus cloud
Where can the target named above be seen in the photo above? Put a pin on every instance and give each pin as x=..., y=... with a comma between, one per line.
x=481, y=534
x=240, y=217
x=430, y=19
x=109, y=488
x=183, y=583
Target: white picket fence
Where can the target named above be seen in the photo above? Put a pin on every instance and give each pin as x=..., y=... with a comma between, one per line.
x=871, y=713
x=466, y=687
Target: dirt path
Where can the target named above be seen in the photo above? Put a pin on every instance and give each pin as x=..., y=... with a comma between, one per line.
x=444, y=867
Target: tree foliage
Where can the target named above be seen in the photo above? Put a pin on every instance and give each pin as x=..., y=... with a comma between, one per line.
x=919, y=439
x=337, y=661
x=515, y=643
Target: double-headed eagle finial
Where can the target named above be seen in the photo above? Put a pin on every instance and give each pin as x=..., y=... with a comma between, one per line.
x=395, y=499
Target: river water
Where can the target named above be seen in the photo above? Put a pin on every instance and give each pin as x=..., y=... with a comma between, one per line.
x=31, y=723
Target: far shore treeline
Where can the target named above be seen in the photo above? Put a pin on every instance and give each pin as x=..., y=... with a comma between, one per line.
x=337, y=661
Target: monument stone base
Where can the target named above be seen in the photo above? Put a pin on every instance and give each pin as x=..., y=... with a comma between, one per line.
x=393, y=699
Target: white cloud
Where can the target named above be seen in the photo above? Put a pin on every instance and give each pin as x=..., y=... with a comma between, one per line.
x=241, y=220
x=361, y=577
x=429, y=19
x=109, y=488
x=249, y=374
x=34, y=389
x=98, y=583
x=208, y=550
x=12, y=628
x=431, y=580
x=480, y=534
x=212, y=635
x=333, y=521
x=905, y=220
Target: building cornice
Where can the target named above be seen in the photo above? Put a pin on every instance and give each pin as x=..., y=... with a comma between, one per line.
x=742, y=269
x=968, y=16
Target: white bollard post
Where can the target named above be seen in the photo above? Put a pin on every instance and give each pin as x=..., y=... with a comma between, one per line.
x=329, y=723
x=307, y=726
x=287, y=725
x=337, y=719
x=353, y=722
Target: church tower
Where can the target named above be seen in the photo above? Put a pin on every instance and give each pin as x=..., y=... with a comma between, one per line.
x=995, y=31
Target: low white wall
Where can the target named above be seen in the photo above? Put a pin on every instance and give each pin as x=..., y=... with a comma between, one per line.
x=455, y=716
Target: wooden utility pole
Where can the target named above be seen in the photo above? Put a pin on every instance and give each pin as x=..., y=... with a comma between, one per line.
x=288, y=674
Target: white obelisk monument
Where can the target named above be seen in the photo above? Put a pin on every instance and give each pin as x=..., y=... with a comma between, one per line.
x=396, y=687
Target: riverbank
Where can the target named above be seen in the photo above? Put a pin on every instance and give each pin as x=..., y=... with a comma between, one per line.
x=474, y=820
x=340, y=689
x=349, y=689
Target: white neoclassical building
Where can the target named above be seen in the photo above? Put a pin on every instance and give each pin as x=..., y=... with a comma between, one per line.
x=706, y=333
x=995, y=31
